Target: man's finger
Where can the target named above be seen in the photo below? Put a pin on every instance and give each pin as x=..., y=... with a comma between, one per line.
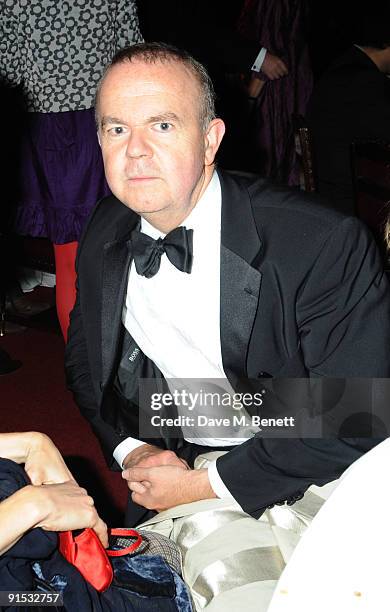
x=136, y=474
x=282, y=69
x=138, y=487
x=140, y=500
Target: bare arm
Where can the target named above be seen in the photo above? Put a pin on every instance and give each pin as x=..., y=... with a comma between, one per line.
x=54, y=501
x=43, y=461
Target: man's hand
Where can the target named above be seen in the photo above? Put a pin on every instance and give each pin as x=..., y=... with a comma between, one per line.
x=162, y=487
x=60, y=507
x=273, y=67
x=148, y=455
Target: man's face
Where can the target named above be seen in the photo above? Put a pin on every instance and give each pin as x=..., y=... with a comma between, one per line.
x=157, y=157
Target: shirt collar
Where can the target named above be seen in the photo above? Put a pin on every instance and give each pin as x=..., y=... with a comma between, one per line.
x=205, y=212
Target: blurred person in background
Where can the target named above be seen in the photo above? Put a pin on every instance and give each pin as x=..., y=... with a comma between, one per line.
x=280, y=83
x=54, y=52
x=351, y=102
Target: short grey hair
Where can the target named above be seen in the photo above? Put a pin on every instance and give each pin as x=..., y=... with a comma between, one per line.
x=153, y=52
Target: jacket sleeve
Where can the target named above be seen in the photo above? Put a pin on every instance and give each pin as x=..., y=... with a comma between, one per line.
x=343, y=319
x=79, y=381
x=78, y=373
x=343, y=307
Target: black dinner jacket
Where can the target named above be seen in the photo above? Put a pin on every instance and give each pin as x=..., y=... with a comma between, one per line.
x=302, y=294
x=350, y=102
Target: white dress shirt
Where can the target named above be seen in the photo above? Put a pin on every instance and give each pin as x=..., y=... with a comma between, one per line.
x=174, y=317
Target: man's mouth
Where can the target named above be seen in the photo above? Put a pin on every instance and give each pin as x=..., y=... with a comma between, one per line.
x=140, y=178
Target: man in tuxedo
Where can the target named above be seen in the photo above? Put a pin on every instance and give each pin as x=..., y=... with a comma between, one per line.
x=189, y=272
x=351, y=102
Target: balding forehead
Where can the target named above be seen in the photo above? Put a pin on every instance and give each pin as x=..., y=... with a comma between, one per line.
x=142, y=66
x=141, y=77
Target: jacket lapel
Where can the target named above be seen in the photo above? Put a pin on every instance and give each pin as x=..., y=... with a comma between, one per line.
x=116, y=263
x=240, y=281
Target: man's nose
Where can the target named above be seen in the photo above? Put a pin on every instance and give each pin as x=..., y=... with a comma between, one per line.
x=137, y=145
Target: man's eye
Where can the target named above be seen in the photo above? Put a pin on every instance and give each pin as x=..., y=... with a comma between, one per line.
x=164, y=126
x=116, y=131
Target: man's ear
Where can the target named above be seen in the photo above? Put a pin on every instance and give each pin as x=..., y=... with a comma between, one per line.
x=98, y=137
x=213, y=137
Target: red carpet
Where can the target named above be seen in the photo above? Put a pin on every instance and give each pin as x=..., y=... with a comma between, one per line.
x=34, y=398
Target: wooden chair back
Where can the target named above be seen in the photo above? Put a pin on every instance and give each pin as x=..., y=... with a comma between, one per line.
x=304, y=151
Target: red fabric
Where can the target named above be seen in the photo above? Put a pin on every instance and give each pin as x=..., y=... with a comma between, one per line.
x=65, y=257
x=87, y=553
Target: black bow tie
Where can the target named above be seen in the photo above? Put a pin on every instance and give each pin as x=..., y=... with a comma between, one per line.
x=147, y=252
